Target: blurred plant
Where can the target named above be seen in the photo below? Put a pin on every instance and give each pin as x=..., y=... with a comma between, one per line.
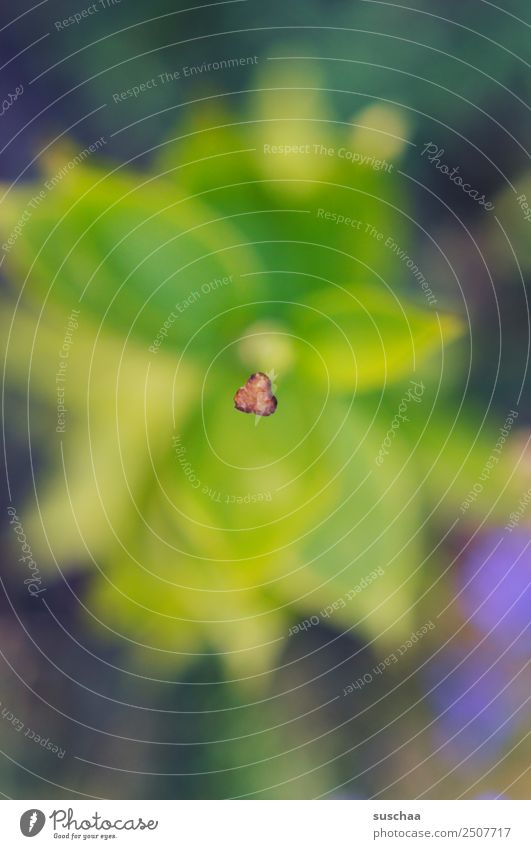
x=213, y=264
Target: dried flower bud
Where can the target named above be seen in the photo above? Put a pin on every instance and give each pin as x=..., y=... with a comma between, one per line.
x=256, y=396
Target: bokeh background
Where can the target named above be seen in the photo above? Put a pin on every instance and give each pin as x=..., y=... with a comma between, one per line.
x=332, y=602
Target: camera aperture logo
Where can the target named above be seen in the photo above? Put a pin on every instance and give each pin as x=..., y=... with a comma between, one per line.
x=32, y=822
